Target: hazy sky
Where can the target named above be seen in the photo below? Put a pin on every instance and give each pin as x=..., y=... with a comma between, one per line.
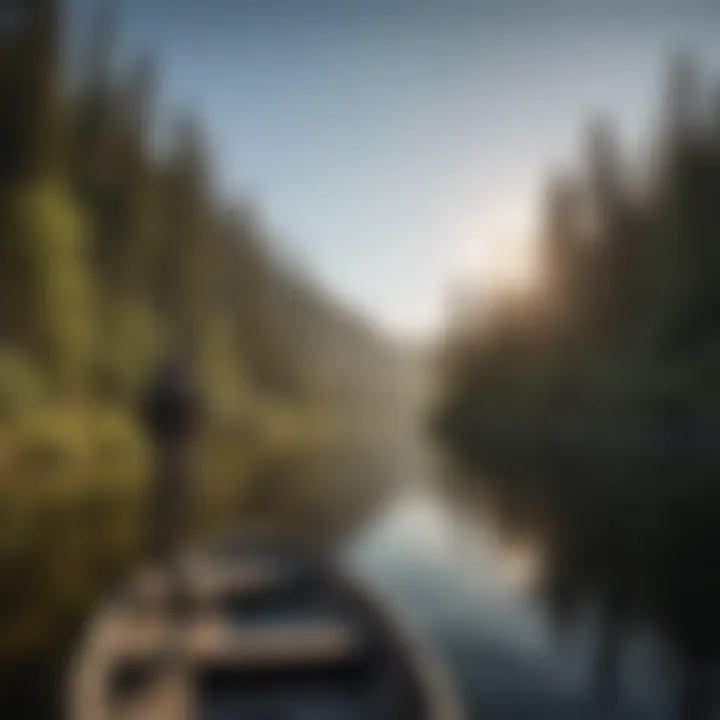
x=392, y=144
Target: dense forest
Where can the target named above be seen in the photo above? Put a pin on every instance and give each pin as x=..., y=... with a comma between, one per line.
x=114, y=254
x=586, y=410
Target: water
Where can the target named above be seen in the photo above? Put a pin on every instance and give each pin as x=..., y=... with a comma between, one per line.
x=444, y=574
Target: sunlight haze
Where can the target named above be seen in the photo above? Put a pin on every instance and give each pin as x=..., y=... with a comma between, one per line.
x=389, y=142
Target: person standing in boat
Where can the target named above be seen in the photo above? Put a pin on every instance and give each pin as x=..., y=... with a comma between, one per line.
x=171, y=414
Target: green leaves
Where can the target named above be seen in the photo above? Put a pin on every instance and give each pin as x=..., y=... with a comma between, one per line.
x=596, y=422
x=59, y=281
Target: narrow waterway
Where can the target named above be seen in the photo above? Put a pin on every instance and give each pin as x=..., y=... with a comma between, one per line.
x=435, y=563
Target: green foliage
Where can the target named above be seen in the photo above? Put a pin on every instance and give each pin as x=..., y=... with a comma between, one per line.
x=22, y=386
x=593, y=418
x=59, y=279
x=112, y=257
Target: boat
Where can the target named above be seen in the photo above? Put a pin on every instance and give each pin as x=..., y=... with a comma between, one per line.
x=258, y=631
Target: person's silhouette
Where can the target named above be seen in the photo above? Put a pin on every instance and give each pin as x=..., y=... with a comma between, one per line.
x=171, y=415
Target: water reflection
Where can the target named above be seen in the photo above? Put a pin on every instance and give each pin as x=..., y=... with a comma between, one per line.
x=447, y=573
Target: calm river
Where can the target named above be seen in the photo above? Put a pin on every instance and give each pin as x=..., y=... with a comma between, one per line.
x=445, y=575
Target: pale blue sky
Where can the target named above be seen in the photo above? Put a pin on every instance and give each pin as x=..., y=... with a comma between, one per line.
x=390, y=143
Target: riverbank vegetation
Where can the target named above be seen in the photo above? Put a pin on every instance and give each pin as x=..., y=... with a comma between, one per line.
x=589, y=404
x=116, y=248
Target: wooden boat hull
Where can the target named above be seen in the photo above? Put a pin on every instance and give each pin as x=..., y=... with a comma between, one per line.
x=257, y=631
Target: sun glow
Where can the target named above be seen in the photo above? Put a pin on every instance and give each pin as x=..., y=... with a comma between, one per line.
x=512, y=263
x=500, y=254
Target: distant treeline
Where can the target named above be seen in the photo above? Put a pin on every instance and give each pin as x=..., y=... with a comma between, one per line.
x=588, y=408
x=112, y=255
